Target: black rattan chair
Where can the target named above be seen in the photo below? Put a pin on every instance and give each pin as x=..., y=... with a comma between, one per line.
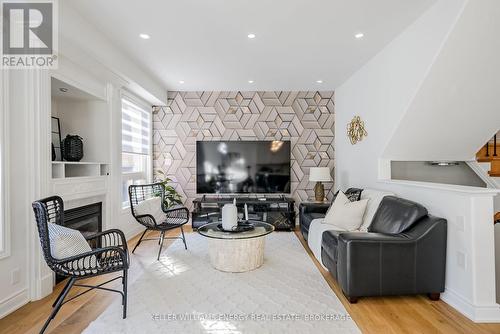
x=175, y=217
x=109, y=254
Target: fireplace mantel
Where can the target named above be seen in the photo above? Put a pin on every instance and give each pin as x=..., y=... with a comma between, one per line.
x=77, y=188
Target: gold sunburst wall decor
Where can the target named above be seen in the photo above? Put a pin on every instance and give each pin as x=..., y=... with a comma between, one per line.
x=356, y=130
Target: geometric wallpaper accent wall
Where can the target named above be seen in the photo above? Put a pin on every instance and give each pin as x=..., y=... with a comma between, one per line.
x=305, y=118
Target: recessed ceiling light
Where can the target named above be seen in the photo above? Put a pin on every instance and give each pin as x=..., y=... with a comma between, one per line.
x=359, y=35
x=250, y=81
x=319, y=81
x=181, y=82
x=144, y=36
x=251, y=36
x=64, y=90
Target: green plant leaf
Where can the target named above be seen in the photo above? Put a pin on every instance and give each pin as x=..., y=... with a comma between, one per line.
x=171, y=196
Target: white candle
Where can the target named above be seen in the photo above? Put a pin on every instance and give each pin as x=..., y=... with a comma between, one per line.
x=246, y=212
x=229, y=217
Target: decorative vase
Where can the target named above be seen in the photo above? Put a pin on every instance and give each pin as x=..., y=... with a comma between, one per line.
x=319, y=192
x=229, y=217
x=72, y=148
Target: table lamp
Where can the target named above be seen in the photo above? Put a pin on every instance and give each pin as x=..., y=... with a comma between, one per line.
x=319, y=175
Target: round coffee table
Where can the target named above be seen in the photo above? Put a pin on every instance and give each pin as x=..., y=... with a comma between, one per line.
x=236, y=252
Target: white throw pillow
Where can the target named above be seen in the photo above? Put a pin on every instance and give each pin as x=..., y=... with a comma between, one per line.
x=345, y=214
x=67, y=242
x=151, y=206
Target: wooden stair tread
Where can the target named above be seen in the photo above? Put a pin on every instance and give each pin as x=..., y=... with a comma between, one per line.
x=487, y=159
x=492, y=174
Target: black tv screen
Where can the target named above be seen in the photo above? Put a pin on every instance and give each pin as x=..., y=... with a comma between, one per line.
x=233, y=167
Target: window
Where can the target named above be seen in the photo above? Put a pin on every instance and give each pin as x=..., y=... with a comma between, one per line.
x=136, y=144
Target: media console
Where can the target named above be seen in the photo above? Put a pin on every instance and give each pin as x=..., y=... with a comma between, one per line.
x=276, y=210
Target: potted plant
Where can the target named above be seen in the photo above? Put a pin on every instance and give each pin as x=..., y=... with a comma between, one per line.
x=172, y=197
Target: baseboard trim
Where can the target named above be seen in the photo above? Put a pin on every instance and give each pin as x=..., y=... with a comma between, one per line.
x=47, y=285
x=13, y=302
x=477, y=313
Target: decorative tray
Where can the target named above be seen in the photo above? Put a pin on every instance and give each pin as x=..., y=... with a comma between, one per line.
x=242, y=227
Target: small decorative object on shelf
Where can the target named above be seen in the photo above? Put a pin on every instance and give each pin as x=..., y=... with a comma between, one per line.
x=229, y=216
x=53, y=153
x=319, y=175
x=56, y=139
x=356, y=130
x=72, y=148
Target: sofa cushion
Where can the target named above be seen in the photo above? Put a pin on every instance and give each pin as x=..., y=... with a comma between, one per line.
x=65, y=243
x=344, y=214
x=395, y=215
x=374, y=198
x=151, y=206
x=354, y=194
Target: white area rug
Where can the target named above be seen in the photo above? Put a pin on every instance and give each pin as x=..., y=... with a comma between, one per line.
x=286, y=295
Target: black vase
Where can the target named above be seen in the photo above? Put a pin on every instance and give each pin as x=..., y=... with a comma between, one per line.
x=72, y=148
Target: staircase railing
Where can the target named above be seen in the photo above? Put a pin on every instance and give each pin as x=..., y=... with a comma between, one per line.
x=494, y=147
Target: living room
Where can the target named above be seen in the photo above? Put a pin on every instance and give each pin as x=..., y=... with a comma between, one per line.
x=250, y=167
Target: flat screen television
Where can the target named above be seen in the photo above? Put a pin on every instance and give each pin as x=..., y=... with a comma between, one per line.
x=235, y=167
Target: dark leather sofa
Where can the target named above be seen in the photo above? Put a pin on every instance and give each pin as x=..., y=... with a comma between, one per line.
x=403, y=252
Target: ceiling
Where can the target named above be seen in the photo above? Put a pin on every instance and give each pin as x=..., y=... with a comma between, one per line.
x=64, y=91
x=204, y=42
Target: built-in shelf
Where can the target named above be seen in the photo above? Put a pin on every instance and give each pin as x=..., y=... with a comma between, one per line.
x=72, y=169
x=82, y=113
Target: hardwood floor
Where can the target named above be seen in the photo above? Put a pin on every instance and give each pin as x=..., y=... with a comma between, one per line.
x=408, y=314
x=76, y=315
x=403, y=314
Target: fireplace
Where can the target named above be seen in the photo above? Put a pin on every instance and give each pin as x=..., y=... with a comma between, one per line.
x=87, y=219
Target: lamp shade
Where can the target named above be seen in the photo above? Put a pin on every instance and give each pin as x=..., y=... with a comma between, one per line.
x=319, y=174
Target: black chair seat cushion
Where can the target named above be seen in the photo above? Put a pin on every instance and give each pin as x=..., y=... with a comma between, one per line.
x=396, y=215
x=171, y=223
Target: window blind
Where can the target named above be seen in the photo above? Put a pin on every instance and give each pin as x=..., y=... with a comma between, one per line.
x=136, y=127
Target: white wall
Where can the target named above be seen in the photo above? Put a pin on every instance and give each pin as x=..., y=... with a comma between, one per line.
x=81, y=42
x=457, y=105
x=422, y=171
x=381, y=93
x=14, y=295
x=100, y=68
x=89, y=120
x=497, y=260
